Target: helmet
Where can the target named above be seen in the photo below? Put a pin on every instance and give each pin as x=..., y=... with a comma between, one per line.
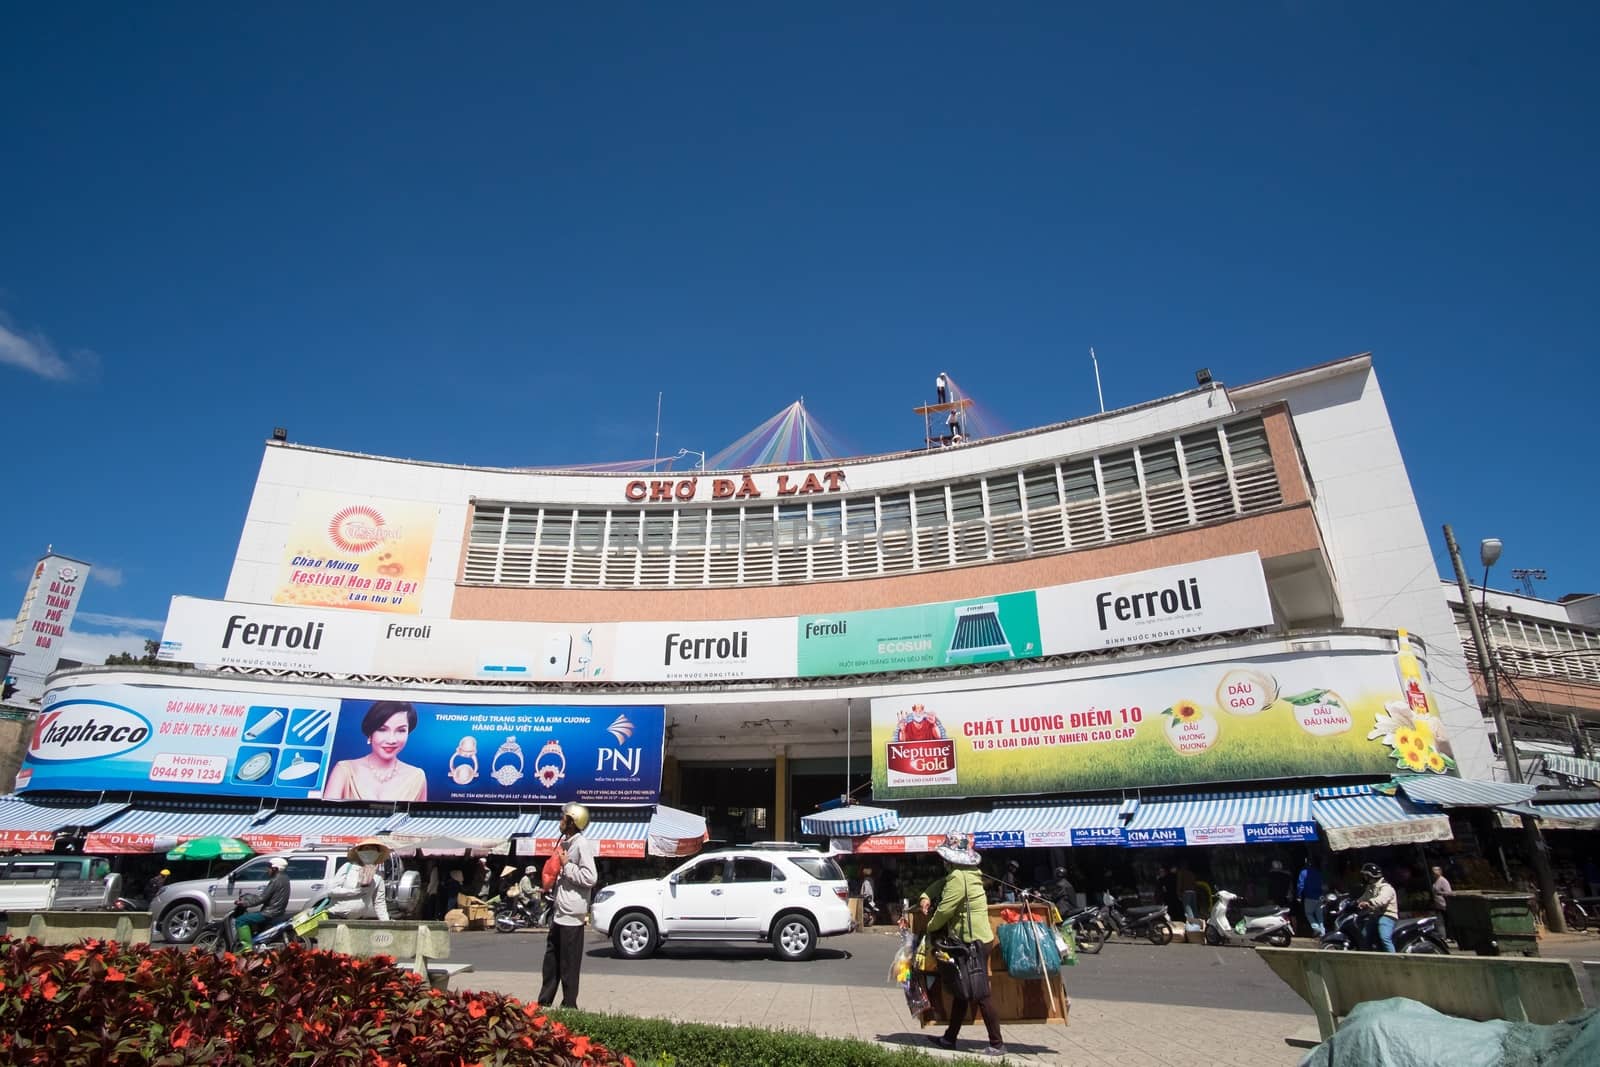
x=1061, y=872
x=578, y=814
x=165, y=873
x=531, y=868
x=1371, y=872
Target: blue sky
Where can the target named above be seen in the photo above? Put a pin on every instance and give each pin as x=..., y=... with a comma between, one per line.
x=492, y=234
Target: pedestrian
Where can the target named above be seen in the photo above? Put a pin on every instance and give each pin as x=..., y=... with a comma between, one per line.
x=1167, y=892
x=156, y=884
x=1380, y=905
x=563, y=944
x=1442, y=892
x=433, y=894
x=1308, y=891
x=941, y=387
x=869, y=897
x=1186, y=888
x=963, y=914
x=1011, y=884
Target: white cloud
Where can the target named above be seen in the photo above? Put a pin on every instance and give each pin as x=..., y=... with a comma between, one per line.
x=121, y=622
x=107, y=575
x=34, y=353
x=92, y=649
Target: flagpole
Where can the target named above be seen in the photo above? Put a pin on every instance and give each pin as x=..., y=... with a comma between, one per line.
x=1098, y=391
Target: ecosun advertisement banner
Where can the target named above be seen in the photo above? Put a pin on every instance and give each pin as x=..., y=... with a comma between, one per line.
x=1332, y=713
x=1205, y=597
x=302, y=746
x=981, y=630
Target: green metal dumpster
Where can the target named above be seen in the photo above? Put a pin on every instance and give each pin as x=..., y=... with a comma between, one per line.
x=1492, y=924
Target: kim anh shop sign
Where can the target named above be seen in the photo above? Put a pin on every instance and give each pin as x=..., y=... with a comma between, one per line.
x=305, y=744
x=1283, y=716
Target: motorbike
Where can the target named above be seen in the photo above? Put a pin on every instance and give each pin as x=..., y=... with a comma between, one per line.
x=222, y=935
x=1137, y=920
x=1087, y=929
x=1347, y=930
x=513, y=913
x=1575, y=914
x=1271, y=924
x=130, y=904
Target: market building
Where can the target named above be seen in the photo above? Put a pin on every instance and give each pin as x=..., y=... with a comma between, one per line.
x=1212, y=618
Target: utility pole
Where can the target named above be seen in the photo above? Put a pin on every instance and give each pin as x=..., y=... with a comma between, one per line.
x=1532, y=838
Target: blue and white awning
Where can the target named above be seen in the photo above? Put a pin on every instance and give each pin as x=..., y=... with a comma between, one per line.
x=304, y=829
x=158, y=830
x=1358, y=817
x=1223, y=819
x=1579, y=816
x=1463, y=792
x=1056, y=824
x=675, y=833
x=852, y=820
x=449, y=833
x=33, y=827
x=1574, y=767
x=915, y=833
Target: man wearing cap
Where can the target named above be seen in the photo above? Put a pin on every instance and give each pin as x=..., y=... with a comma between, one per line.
x=563, y=945
x=963, y=914
x=271, y=904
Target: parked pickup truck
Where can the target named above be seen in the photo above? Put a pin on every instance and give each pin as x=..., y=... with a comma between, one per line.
x=49, y=882
x=182, y=909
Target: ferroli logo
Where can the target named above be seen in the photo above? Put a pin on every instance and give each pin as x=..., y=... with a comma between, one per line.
x=272, y=635
x=826, y=628
x=86, y=729
x=1151, y=604
x=735, y=645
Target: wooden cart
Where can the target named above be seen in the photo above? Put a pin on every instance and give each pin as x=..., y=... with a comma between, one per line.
x=1016, y=1000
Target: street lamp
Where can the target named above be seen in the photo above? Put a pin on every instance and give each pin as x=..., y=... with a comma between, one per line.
x=1489, y=550
x=691, y=452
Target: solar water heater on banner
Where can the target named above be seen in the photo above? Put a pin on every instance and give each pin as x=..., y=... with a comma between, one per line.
x=978, y=632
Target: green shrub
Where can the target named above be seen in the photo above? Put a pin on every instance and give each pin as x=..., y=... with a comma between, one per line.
x=663, y=1043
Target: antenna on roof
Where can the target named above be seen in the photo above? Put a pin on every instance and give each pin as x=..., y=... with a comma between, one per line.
x=1526, y=575
x=1098, y=392
x=655, y=455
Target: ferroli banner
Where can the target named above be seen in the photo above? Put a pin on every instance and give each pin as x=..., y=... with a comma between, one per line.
x=1205, y=597
x=1283, y=716
x=980, y=630
x=307, y=744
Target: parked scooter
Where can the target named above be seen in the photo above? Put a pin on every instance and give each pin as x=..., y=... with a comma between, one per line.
x=1271, y=924
x=513, y=913
x=1137, y=920
x=1087, y=929
x=222, y=935
x=1347, y=930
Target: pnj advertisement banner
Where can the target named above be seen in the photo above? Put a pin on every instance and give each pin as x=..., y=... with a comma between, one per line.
x=1205, y=597
x=1283, y=716
x=305, y=746
x=981, y=630
x=352, y=551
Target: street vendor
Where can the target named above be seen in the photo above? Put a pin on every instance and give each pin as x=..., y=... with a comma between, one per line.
x=962, y=915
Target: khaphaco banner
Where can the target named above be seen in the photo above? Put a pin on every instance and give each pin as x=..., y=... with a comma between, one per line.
x=352, y=551
x=304, y=745
x=981, y=630
x=1285, y=716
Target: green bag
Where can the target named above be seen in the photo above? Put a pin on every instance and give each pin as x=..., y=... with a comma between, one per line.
x=1029, y=949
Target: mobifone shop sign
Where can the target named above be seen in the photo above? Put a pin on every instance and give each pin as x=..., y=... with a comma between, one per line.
x=1330, y=713
x=309, y=745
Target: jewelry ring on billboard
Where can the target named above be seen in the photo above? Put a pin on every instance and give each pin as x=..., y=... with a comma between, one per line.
x=463, y=763
x=504, y=773
x=551, y=764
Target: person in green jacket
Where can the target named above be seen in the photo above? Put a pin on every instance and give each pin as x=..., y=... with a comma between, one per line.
x=962, y=913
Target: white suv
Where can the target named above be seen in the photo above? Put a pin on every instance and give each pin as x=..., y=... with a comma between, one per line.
x=779, y=892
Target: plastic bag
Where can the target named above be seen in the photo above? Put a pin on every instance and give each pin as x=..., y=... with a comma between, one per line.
x=900, y=966
x=917, y=1000
x=1067, y=945
x=1029, y=949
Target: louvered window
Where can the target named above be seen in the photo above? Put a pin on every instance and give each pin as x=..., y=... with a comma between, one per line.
x=827, y=547
x=966, y=514
x=622, y=549
x=555, y=548
x=587, y=545
x=1163, y=485
x=725, y=546
x=655, y=554
x=1046, y=532
x=1008, y=531
x=1086, y=522
x=793, y=537
x=483, y=543
x=1124, y=502
x=933, y=528
x=758, y=544
x=689, y=549
x=1208, y=476
x=1253, y=471
x=895, y=531
x=861, y=535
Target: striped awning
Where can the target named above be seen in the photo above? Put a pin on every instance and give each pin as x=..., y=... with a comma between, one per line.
x=31, y=826
x=444, y=833
x=1055, y=824
x=675, y=833
x=1580, y=816
x=302, y=829
x=1357, y=819
x=916, y=833
x=853, y=820
x=1463, y=792
x=1582, y=770
x=158, y=830
x=1223, y=819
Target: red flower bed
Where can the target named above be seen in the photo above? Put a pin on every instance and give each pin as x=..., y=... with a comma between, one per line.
x=103, y=1003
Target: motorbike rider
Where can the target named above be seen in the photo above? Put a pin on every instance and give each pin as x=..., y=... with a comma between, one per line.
x=156, y=884
x=869, y=897
x=1063, y=892
x=268, y=906
x=530, y=897
x=1380, y=906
